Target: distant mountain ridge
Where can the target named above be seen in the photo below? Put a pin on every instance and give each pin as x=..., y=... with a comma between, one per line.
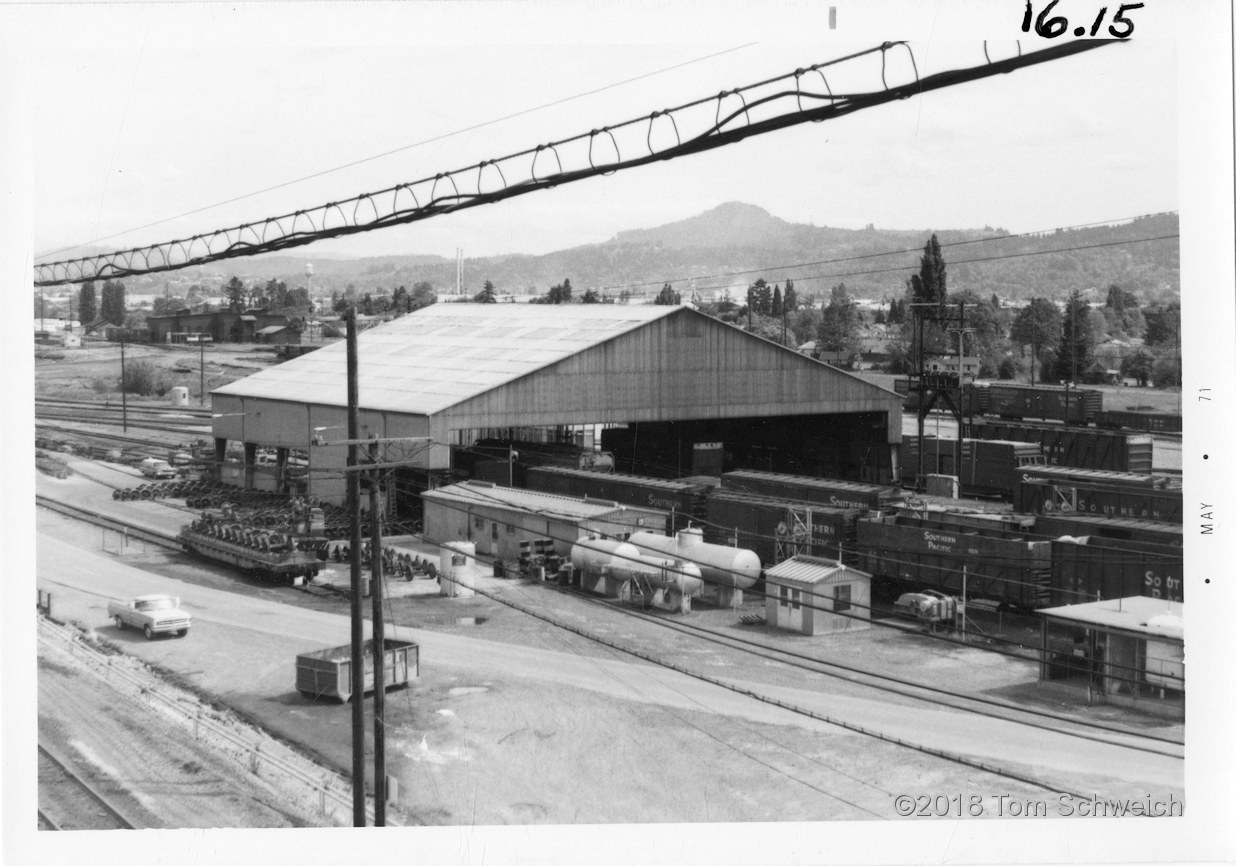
x=733, y=244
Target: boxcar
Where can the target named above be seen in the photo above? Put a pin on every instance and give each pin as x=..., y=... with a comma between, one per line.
x=1118, y=529
x=1040, y=496
x=685, y=499
x=915, y=554
x=833, y=492
x=987, y=468
x=1047, y=402
x=778, y=528
x=1114, y=450
x=1094, y=477
x=1093, y=568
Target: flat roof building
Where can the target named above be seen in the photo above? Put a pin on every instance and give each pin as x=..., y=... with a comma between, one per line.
x=1126, y=651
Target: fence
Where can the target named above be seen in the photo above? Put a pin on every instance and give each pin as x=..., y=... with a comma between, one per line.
x=330, y=790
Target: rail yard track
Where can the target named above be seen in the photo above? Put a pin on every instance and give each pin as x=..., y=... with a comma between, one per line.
x=69, y=802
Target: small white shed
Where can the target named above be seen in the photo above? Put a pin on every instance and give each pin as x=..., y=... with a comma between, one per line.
x=817, y=596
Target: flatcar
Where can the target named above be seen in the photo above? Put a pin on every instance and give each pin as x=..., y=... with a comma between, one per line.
x=260, y=552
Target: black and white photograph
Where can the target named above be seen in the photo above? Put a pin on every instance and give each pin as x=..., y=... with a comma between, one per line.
x=711, y=432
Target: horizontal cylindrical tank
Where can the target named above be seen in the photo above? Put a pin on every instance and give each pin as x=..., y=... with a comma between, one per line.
x=591, y=555
x=681, y=577
x=624, y=561
x=719, y=564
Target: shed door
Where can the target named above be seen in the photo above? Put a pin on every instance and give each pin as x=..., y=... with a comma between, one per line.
x=790, y=612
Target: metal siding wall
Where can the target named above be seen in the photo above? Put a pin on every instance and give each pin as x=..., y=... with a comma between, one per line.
x=662, y=372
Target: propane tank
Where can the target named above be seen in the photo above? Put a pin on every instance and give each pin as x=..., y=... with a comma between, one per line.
x=718, y=564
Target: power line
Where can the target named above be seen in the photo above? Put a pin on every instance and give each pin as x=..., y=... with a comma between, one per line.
x=915, y=250
x=401, y=149
x=807, y=278
x=709, y=123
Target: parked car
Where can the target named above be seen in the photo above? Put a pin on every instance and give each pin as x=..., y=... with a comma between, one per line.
x=150, y=614
x=153, y=467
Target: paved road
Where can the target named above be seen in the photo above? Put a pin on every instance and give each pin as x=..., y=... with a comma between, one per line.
x=267, y=635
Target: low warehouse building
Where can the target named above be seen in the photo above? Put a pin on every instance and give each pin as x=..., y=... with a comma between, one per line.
x=1125, y=651
x=497, y=519
x=817, y=596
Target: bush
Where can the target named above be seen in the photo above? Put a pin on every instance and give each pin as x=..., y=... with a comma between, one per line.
x=143, y=377
x=101, y=385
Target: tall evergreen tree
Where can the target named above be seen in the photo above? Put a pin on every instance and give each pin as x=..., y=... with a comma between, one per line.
x=777, y=308
x=791, y=297
x=486, y=295
x=235, y=291
x=759, y=298
x=112, y=305
x=1038, y=326
x=1076, y=340
x=87, y=304
x=667, y=297
x=930, y=284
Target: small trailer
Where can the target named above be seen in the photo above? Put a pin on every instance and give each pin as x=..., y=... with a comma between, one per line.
x=328, y=672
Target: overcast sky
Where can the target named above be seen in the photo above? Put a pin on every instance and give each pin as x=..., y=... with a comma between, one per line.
x=146, y=113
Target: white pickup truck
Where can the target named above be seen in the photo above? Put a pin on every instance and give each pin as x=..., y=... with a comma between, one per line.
x=151, y=614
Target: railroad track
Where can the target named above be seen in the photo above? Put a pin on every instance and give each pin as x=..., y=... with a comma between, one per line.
x=69, y=802
x=151, y=536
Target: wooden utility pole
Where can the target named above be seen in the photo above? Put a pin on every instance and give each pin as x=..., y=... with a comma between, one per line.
x=379, y=646
x=124, y=401
x=358, y=628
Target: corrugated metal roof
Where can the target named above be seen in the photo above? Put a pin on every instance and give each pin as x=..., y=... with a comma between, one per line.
x=484, y=493
x=809, y=569
x=443, y=354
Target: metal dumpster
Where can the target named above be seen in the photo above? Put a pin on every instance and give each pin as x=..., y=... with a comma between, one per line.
x=328, y=672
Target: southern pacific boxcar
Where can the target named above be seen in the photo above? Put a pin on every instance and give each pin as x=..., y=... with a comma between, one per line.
x=1043, y=496
x=822, y=491
x=1153, y=422
x=907, y=553
x=778, y=528
x=1114, y=450
x=1118, y=529
x=987, y=468
x=1046, y=402
x=685, y=499
x=1094, y=568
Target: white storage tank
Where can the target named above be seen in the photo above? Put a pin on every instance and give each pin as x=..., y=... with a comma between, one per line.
x=457, y=569
x=729, y=569
x=180, y=395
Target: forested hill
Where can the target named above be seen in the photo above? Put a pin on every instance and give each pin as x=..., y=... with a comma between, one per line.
x=734, y=244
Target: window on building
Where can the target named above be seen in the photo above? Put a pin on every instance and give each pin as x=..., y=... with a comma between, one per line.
x=841, y=597
x=785, y=595
x=510, y=529
x=794, y=599
x=478, y=522
x=493, y=531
